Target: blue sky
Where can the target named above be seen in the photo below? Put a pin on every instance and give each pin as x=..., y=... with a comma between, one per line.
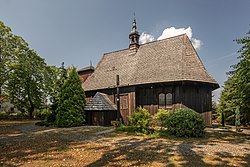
x=77, y=31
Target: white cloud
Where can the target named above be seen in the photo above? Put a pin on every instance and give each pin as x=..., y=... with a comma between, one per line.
x=171, y=32
x=145, y=38
x=196, y=43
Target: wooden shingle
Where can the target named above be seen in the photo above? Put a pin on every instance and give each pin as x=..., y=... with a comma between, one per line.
x=167, y=60
x=100, y=102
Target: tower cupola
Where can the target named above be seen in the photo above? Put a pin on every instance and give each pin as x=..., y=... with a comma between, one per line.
x=134, y=37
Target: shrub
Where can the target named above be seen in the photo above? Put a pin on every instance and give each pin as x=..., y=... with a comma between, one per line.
x=13, y=116
x=44, y=114
x=186, y=122
x=140, y=120
x=162, y=116
x=116, y=123
x=52, y=117
x=4, y=115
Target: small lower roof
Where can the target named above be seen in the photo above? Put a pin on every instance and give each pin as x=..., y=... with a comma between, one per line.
x=100, y=102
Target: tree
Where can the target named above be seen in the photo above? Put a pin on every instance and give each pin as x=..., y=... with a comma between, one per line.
x=26, y=84
x=71, y=101
x=57, y=76
x=60, y=75
x=228, y=101
x=242, y=73
x=10, y=47
x=25, y=78
x=236, y=91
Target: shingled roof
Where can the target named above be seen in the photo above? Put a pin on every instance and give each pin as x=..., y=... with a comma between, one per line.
x=100, y=102
x=167, y=60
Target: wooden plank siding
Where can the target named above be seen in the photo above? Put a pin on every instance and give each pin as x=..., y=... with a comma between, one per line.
x=125, y=92
x=100, y=118
x=193, y=95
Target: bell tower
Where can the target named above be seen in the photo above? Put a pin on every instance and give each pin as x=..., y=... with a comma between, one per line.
x=134, y=38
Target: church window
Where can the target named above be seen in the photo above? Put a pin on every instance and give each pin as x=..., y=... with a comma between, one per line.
x=162, y=99
x=169, y=99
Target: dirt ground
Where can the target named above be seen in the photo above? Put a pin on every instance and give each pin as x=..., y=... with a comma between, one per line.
x=24, y=144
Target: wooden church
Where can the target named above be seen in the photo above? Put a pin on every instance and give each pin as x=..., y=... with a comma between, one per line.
x=166, y=74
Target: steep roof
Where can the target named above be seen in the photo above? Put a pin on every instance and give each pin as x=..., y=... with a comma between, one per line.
x=100, y=102
x=168, y=60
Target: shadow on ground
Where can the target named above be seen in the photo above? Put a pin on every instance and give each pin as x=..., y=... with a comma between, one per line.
x=212, y=150
x=27, y=143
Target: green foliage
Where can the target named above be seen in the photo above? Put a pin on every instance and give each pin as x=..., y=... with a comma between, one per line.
x=228, y=101
x=9, y=48
x=215, y=113
x=24, y=75
x=4, y=115
x=162, y=117
x=26, y=81
x=58, y=76
x=140, y=120
x=236, y=91
x=116, y=123
x=71, y=102
x=45, y=113
x=186, y=123
x=13, y=116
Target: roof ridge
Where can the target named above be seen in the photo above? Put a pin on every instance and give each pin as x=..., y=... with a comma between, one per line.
x=161, y=40
x=145, y=44
x=115, y=51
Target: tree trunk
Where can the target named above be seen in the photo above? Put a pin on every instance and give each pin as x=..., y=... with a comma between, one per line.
x=30, y=114
x=222, y=119
x=31, y=109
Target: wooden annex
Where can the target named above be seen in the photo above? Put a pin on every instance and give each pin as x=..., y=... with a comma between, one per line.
x=166, y=73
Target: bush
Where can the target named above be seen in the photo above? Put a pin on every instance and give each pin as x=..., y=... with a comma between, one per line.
x=116, y=123
x=4, y=115
x=140, y=120
x=45, y=113
x=162, y=116
x=186, y=122
x=13, y=116
x=52, y=117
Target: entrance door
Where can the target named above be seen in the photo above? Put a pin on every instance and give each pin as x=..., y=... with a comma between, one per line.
x=124, y=105
x=97, y=118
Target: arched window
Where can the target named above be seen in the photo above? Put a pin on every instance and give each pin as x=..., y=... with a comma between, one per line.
x=162, y=100
x=169, y=99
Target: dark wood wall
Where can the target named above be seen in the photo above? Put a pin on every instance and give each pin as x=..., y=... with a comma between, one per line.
x=127, y=95
x=100, y=118
x=197, y=96
x=192, y=95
